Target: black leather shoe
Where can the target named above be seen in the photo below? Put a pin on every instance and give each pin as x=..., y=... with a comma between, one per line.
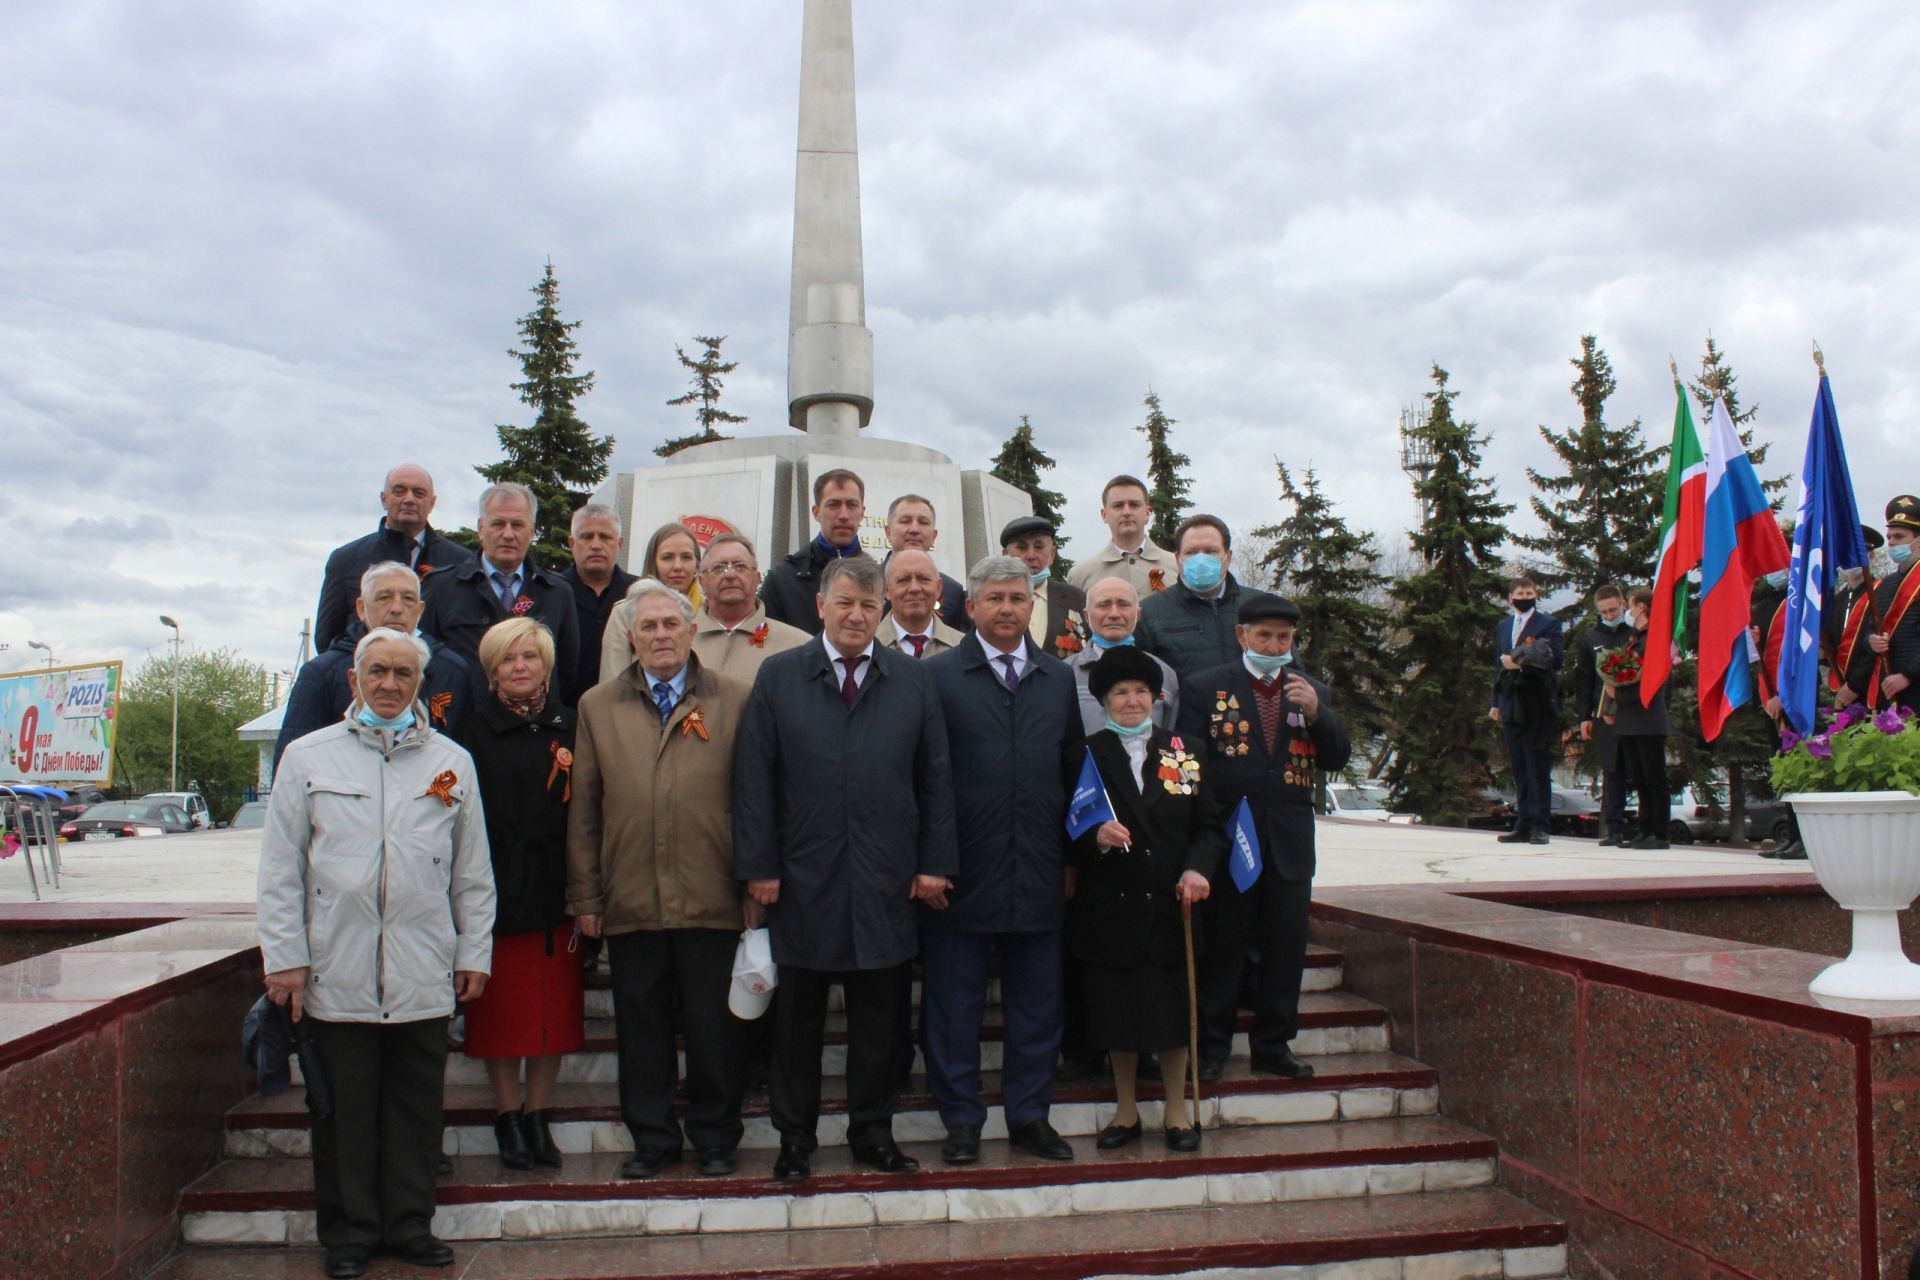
x=887, y=1157
x=792, y=1164
x=1037, y=1138
x=1186, y=1139
x=717, y=1162
x=647, y=1161
x=1610, y=839
x=1648, y=842
x=962, y=1145
x=1282, y=1063
x=1792, y=851
x=540, y=1139
x=510, y=1131
x=348, y=1261
x=1211, y=1069
x=1516, y=836
x=1116, y=1136
x=424, y=1251
x=1538, y=837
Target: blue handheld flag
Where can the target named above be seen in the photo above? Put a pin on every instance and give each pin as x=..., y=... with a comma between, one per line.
x=1090, y=805
x=1244, y=853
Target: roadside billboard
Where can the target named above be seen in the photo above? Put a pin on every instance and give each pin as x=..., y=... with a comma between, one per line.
x=59, y=725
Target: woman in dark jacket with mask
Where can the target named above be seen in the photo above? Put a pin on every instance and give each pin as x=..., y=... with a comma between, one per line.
x=1643, y=731
x=521, y=741
x=1132, y=876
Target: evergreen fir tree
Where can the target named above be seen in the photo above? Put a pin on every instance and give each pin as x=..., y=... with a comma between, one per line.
x=1717, y=379
x=1331, y=571
x=707, y=372
x=558, y=456
x=1019, y=463
x=1595, y=512
x=1165, y=473
x=1441, y=738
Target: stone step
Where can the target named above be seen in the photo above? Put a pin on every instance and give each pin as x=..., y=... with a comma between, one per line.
x=587, y=1115
x=270, y=1201
x=1475, y=1234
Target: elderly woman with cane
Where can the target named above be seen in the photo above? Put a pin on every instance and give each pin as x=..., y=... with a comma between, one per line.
x=376, y=909
x=1136, y=879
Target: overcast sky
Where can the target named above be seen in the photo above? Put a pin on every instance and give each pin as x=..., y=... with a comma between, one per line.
x=255, y=254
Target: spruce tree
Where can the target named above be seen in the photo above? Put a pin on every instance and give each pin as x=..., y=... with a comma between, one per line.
x=1166, y=473
x=1332, y=573
x=1019, y=463
x=707, y=372
x=1717, y=379
x=1441, y=737
x=1594, y=510
x=558, y=456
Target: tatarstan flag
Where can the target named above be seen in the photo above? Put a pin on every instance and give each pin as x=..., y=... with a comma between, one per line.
x=1682, y=538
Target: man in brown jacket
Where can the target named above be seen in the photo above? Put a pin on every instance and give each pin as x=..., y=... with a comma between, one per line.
x=650, y=868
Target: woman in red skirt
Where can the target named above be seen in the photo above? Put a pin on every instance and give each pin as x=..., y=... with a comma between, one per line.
x=521, y=741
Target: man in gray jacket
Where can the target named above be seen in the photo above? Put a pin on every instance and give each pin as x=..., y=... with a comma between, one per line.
x=376, y=905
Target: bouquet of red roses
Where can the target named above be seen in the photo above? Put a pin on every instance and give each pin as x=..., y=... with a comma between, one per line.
x=1615, y=667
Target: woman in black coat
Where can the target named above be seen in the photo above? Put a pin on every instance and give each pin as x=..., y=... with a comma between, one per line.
x=1642, y=732
x=1133, y=876
x=521, y=741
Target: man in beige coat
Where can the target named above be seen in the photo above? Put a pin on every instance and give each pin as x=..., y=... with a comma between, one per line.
x=733, y=634
x=913, y=624
x=650, y=868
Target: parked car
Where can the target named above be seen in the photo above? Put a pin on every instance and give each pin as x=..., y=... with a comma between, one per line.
x=250, y=816
x=1574, y=812
x=192, y=802
x=1366, y=801
x=121, y=819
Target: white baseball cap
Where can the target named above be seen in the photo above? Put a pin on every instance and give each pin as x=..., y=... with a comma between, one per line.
x=754, y=975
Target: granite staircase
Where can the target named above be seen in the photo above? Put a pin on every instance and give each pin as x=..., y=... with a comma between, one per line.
x=1351, y=1175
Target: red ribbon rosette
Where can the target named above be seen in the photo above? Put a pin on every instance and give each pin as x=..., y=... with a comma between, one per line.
x=562, y=764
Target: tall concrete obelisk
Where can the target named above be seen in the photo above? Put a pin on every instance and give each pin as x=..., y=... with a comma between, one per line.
x=829, y=348
x=762, y=485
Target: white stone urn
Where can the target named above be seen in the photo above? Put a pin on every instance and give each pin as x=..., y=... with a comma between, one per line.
x=1865, y=848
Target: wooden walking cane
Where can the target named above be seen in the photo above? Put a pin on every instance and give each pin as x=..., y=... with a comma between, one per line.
x=1193, y=1018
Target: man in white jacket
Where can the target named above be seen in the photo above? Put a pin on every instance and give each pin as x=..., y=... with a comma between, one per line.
x=376, y=905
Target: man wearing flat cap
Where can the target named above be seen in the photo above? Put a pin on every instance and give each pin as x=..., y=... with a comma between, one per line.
x=1889, y=673
x=1059, y=624
x=1265, y=731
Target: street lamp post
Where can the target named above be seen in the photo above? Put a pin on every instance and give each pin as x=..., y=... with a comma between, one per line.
x=173, y=764
x=44, y=648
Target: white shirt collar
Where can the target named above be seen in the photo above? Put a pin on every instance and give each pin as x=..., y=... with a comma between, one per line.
x=834, y=655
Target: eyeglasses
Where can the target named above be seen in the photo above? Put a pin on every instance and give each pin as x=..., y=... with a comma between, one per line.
x=721, y=570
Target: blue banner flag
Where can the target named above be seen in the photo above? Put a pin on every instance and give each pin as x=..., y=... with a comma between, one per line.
x=1243, y=852
x=1090, y=805
x=1826, y=539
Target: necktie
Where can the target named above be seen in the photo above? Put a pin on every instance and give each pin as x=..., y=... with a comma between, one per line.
x=849, y=687
x=919, y=644
x=663, y=698
x=1012, y=677
x=503, y=587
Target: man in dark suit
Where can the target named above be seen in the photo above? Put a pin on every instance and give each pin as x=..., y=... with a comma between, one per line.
x=598, y=583
x=1610, y=632
x=1526, y=703
x=842, y=819
x=464, y=601
x=1892, y=662
x=1059, y=622
x=1193, y=624
x=910, y=527
x=1267, y=731
x=403, y=535
x=1012, y=712
x=792, y=589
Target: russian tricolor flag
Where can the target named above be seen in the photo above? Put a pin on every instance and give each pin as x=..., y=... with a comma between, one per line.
x=1741, y=542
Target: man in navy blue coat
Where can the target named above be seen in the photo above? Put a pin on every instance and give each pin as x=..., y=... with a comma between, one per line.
x=1012, y=713
x=403, y=534
x=1526, y=703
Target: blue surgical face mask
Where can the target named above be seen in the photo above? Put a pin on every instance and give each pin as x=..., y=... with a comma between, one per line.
x=1137, y=731
x=1268, y=664
x=1101, y=642
x=1202, y=571
x=1038, y=580
x=369, y=718
x=1776, y=579
x=1615, y=624
x=1900, y=552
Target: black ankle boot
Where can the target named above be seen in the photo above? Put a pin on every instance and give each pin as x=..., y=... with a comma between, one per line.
x=540, y=1139
x=510, y=1131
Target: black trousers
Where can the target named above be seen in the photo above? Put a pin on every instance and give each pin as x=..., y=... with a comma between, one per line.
x=1532, y=782
x=1269, y=919
x=876, y=1040
x=1643, y=758
x=374, y=1157
x=1613, y=796
x=652, y=969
